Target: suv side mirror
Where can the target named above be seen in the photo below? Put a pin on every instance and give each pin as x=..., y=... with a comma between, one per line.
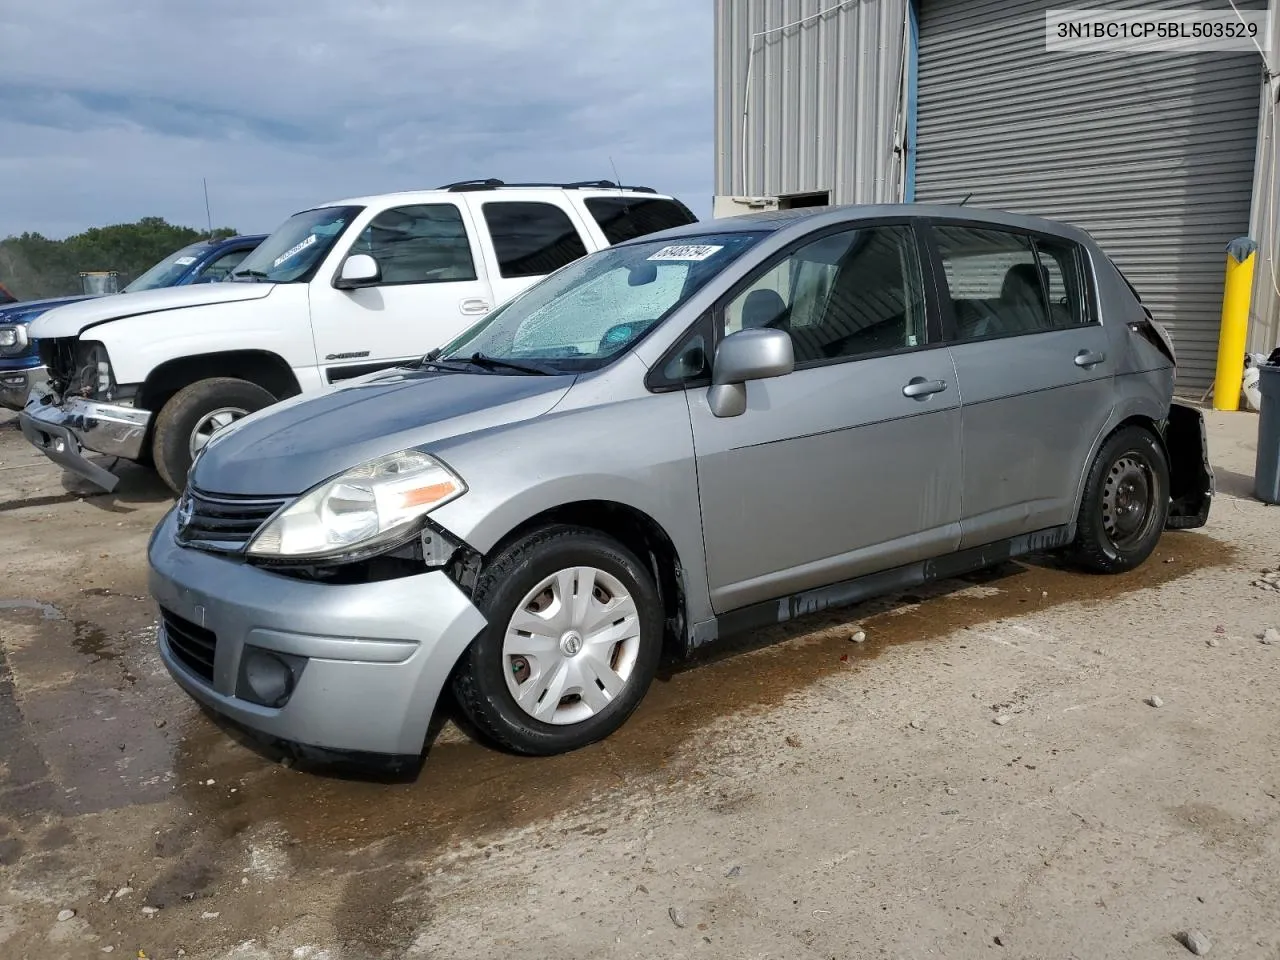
x=757, y=354
x=358, y=270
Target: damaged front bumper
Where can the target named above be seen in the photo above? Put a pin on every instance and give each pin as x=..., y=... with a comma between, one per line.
x=1191, y=480
x=64, y=431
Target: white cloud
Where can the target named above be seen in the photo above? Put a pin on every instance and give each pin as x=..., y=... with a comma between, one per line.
x=110, y=111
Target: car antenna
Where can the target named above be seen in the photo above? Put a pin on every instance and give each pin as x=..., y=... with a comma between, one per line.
x=617, y=180
x=207, y=215
x=966, y=198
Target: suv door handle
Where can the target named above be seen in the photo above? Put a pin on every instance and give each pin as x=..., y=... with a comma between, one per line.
x=1089, y=358
x=474, y=305
x=920, y=388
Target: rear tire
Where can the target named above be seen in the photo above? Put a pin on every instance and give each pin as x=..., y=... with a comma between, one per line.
x=573, y=640
x=1125, y=503
x=190, y=417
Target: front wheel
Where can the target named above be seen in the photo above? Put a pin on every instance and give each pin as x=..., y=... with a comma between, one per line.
x=572, y=643
x=1125, y=503
x=193, y=415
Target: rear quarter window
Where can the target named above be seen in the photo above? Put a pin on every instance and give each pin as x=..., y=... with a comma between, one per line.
x=627, y=217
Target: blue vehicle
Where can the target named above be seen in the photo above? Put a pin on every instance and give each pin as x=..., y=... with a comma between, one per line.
x=205, y=261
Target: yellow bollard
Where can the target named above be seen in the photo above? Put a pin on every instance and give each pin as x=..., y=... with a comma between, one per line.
x=1242, y=254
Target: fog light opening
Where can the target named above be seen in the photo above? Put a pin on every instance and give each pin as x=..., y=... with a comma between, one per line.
x=269, y=679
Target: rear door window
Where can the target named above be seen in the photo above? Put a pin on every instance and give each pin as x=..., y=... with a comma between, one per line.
x=627, y=217
x=531, y=238
x=996, y=283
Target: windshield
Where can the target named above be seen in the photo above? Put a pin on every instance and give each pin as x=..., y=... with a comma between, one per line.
x=595, y=308
x=170, y=270
x=295, y=248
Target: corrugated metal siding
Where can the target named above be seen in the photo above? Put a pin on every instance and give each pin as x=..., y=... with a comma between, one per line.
x=1264, y=220
x=1153, y=153
x=824, y=99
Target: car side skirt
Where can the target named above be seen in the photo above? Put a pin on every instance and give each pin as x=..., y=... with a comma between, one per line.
x=862, y=588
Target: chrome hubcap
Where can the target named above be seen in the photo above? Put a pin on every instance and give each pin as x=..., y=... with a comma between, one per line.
x=571, y=646
x=211, y=423
x=1127, y=501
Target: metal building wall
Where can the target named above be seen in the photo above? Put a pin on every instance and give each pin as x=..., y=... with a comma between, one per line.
x=1264, y=220
x=1153, y=153
x=824, y=108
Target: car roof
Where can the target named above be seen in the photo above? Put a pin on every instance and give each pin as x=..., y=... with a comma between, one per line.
x=804, y=219
x=506, y=191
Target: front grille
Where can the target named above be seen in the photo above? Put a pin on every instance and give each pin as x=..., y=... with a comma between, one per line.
x=222, y=522
x=193, y=646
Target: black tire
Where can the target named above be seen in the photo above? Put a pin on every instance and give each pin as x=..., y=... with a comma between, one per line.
x=178, y=419
x=1129, y=476
x=479, y=681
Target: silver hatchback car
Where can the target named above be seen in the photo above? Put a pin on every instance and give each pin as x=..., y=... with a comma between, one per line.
x=690, y=434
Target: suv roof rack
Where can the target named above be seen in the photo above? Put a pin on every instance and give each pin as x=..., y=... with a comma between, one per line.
x=494, y=184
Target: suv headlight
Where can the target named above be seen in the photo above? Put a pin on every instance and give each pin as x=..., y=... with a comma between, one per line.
x=376, y=503
x=13, y=338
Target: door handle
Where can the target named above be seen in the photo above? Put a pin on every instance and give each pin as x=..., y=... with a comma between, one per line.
x=474, y=305
x=1089, y=358
x=920, y=388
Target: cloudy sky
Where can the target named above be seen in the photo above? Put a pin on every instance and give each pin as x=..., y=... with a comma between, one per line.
x=110, y=111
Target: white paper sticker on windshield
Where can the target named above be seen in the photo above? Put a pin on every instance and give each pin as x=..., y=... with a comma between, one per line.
x=293, y=251
x=687, y=251
x=185, y=261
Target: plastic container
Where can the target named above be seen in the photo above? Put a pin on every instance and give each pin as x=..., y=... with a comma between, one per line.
x=1266, y=472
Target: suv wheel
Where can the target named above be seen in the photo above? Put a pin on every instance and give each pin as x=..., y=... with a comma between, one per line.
x=193, y=415
x=573, y=641
x=1125, y=503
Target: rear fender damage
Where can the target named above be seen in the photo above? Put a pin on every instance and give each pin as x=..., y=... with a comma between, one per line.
x=1191, y=485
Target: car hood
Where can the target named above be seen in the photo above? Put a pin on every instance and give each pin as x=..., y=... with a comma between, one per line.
x=290, y=447
x=24, y=311
x=72, y=319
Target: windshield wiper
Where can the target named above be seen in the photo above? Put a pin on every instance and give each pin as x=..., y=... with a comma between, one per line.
x=495, y=363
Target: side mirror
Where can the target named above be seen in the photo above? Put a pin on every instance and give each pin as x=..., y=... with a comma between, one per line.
x=757, y=354
x=358, y=270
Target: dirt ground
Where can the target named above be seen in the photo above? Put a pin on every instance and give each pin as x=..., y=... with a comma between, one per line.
x=982, y=777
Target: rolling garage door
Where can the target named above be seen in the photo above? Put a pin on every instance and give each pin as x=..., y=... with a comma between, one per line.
x=1152, y=153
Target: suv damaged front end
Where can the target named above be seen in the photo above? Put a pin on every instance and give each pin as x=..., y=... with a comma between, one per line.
x=81, y=409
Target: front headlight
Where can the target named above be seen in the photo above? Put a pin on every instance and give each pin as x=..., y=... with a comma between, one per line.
x=376, y=503
x=13, y=338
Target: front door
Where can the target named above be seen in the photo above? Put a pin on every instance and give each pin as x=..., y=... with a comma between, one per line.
x=847, y=465
x=433, y=287
x=1035, y=379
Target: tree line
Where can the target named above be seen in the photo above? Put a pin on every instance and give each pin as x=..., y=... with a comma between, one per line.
x=32, y=266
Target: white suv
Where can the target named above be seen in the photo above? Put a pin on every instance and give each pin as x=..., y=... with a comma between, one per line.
x=336, y=292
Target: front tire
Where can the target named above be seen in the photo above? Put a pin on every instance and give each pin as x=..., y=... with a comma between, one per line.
x=573, y=640
x=1125, y=503
x=193, y=415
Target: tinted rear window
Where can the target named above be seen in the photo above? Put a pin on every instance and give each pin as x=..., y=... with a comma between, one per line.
x=531, y=238
x=625, y=218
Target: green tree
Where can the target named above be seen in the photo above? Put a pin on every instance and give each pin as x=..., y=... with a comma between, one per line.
x=33, y=266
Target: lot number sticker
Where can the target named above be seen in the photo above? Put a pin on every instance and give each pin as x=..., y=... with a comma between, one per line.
x=687, y=251
x=293, y=251
x=185, y=261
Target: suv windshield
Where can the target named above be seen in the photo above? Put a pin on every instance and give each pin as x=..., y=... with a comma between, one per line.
x=296, y=246
x=167, y=272
x=594, y=309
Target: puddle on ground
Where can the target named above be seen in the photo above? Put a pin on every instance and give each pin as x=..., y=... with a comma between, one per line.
x=466, y=790
x=94, y=642
x=47, y=610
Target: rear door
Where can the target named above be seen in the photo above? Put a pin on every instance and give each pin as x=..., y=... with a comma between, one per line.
x=1035, y=378
x=432, y=288
x=525, y=238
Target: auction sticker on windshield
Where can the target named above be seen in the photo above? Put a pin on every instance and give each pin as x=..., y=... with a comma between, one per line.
x=293, y=251
x=687, y=251
x=185, y=261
